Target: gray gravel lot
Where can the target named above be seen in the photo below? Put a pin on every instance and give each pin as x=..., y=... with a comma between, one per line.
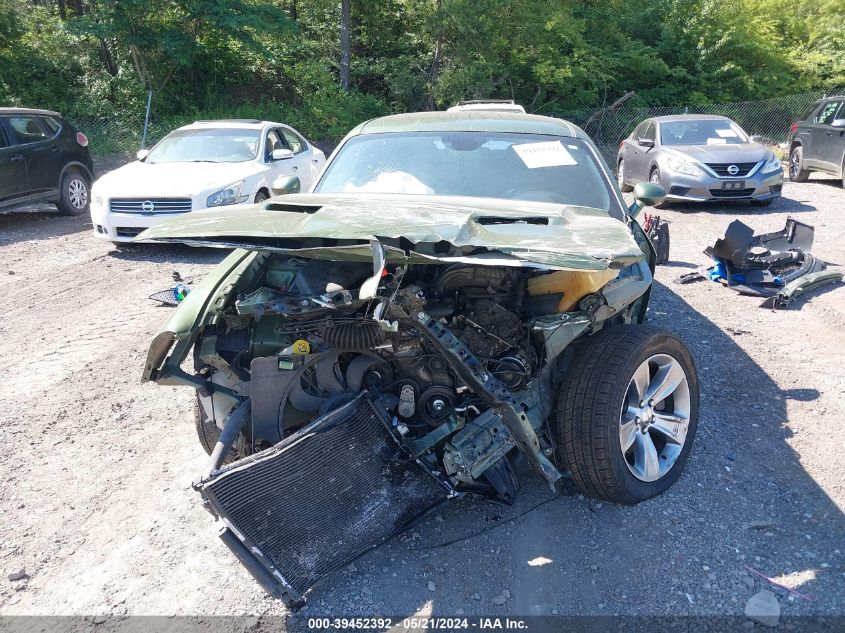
x=96, y=470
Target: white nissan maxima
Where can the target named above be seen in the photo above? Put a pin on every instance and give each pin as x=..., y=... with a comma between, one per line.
x=199, y=166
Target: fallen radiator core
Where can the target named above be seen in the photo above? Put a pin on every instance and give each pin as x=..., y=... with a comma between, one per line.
x=319, y=498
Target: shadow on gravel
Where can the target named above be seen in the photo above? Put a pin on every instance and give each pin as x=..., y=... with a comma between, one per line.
x=740, y=209
x=744, y=506
x=38, y=222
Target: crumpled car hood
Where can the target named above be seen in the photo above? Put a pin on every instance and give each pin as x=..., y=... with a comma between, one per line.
x=415, y=229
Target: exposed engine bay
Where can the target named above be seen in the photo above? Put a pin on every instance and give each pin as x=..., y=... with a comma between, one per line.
x=341, y=399
x=303, y=344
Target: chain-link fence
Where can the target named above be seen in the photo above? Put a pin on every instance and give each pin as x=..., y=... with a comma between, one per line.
x=117, y=140
x=768, y=118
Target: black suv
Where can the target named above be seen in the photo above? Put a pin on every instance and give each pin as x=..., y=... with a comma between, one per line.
x=817, y=140
x=43, y=158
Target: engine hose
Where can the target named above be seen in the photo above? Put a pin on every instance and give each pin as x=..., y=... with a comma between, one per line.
x=354, y=337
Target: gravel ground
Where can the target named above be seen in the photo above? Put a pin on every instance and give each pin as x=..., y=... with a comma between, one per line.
x=99, y=512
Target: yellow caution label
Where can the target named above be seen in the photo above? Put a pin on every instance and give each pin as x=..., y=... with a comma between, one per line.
x=301, y=346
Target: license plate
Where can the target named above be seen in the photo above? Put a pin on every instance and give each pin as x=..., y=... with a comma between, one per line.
x=733, y=185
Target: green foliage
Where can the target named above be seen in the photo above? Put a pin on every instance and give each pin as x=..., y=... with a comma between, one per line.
x=279, y=59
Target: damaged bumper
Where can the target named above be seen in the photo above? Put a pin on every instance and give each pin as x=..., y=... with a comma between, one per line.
x=320, y=498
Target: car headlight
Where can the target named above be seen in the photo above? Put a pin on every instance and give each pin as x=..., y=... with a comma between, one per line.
x=683, y=167
x=772, y=164
x=230, y=194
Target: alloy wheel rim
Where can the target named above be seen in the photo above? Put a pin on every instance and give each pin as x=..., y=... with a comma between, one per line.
x=655, y=177
x=77, y=193
x=793, y=164
x=655, y=416
x=621, y=174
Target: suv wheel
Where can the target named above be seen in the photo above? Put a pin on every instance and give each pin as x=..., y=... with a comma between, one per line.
x=74, y=194
x=627, y=413
x=797, y=173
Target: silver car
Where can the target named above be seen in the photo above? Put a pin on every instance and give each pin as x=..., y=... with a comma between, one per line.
x=699, y=157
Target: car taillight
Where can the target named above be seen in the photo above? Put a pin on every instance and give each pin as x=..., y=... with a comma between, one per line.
x=82, y=139
x=794, y=128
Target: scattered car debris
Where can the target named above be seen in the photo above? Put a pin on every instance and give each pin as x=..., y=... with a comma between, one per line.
x=657, y=230
x=776, y=266
x=172, y=296
x=763, y=607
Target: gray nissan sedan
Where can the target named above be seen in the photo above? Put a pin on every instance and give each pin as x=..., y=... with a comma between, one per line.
x=699, y=157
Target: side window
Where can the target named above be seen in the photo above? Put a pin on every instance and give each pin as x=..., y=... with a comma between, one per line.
x=641, y=130
x=274, y=141
x=825, y=115
x=294, y=141
x=52, y=124
x=3, y=141
x=651, y=132
x=808, y=111
x=27, y=129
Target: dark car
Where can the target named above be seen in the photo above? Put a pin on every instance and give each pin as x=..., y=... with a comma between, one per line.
x=697, y=157
x=43, y=159
x=817, y=140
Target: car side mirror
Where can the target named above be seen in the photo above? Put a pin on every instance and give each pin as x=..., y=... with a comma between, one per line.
x=756, y=138
x=141, y=154
x=284, y=185
x=281, y=154
x=838, y=123
x=645, y=142
x=646, y=194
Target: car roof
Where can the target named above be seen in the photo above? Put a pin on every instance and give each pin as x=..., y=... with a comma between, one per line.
x=470, y=121
x=28, y=111
x=248, y=124
x=669, y=118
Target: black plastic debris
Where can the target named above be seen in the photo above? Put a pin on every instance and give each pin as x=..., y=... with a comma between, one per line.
x=776, y=266
x=657, y=231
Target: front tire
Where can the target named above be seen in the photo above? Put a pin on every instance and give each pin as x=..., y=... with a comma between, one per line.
x=261, y=196
x=74, y=193
x=616, y=444
x=208, y=432
x=654, y=177
x=797, y=173
x=623, y=186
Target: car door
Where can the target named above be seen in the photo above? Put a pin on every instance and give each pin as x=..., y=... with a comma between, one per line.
x=37, y=143
x=292, y=166
x=833, y=141
x=646, y=131
x=14, y=181
x=819, y=127
x=307, y=161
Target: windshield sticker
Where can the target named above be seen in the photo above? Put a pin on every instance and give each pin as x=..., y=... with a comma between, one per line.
x=727, y=133
x=545, y=154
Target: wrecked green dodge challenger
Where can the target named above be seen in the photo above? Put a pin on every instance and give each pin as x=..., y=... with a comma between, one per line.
x=461, y=295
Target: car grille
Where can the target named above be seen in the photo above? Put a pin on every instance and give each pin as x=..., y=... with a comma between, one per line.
x=159, y=205
x=731, y=193
x=721, y=169
x=317, y=500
